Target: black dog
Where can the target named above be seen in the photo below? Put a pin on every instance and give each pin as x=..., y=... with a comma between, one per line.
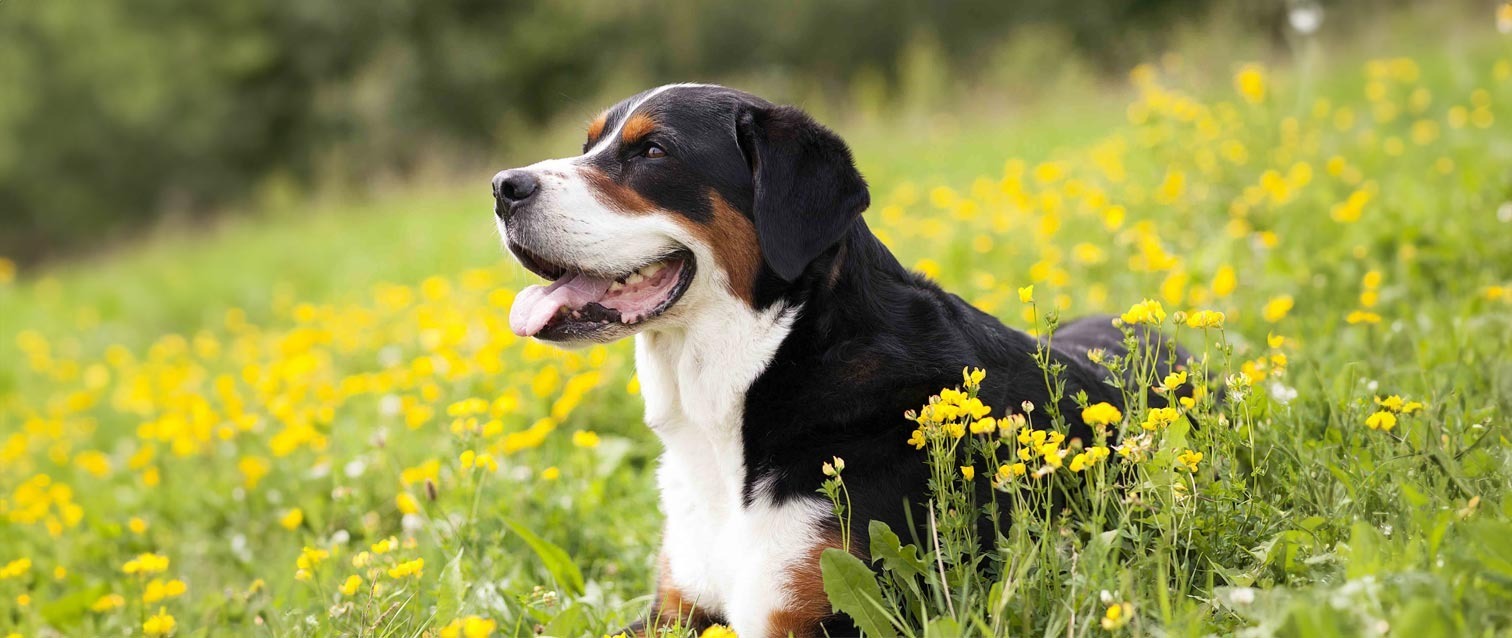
x=773, y=331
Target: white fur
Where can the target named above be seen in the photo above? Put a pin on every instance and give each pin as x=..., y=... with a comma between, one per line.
x=724, y=556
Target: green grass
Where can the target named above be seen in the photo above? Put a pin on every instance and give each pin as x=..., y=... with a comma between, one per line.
x=354, y=320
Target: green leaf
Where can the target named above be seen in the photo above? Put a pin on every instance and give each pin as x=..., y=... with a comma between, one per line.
x=943, y=627
x=561, y=566
x=852, y=589
x=453, y=588
x=887, y=547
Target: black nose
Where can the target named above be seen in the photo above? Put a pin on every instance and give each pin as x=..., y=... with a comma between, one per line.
x=512, y=188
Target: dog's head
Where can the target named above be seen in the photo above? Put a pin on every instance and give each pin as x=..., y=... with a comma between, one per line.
x=687, y=200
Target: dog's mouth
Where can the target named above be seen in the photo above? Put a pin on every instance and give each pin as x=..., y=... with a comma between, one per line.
x=580, y=304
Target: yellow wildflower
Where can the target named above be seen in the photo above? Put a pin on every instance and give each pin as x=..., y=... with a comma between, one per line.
x=968, y=472
x=1277, y=308
x=1101, y=414
x=1381, y=420
x=469, y=627
x=1172, y=381
x=1026, y=294
x=718, y=631
x=1159, y=418
x=1362, y=316
x=1188, y=460
x=1205, y=319
x=1117, y=616
x=146, y=564
x=292, y=519
x=1144, y=312
x=585, y=439
x=160, y=624
x=107, y=603
x=407, y=569
x=1250, y=83
x=351, y=585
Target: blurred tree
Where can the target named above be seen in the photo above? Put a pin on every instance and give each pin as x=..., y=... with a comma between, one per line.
x=112, y=113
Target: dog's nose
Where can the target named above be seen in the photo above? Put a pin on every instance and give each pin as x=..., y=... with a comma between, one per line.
x=512, y=188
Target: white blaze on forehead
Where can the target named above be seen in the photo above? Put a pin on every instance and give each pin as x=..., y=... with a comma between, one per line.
x=605, y=139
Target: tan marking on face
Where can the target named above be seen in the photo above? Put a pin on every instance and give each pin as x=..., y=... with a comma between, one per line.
x=616, y=195
x=636, y=128
x=672, y=607
x=808, y=605
x=732, y=239
x=596, y=127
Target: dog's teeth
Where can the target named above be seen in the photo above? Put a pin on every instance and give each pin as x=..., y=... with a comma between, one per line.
x=616, y=286
x=650, y=271
x=634, y=279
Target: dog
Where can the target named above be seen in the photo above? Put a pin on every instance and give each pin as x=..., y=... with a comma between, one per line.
x=773, y=331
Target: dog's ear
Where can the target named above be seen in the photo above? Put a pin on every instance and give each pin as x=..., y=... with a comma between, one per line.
x=807, y=188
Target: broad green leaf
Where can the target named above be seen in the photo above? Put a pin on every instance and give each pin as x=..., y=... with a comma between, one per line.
x=887, y=547
x=852, y=589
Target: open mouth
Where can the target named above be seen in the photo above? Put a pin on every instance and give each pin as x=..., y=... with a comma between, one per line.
x=578, y=304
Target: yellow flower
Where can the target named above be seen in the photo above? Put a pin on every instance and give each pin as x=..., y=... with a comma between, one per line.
x=1012, y=470
x=1026, y=294
x=585, y=439
x=146, y=564
x=1392, y=403
x=384, y=546
x=1277, y=308
x=15, y=568
x=158, y=590
x=107, y=602
x=1101, y=414
x=968, y=472
x=972, y=377
x=1188, y=460
x=917, y=440
x=1144, y=312
x=1412, y=407
x=1205, y=319
x=469, y=627
x=1250, y=83
x=351, y=585
x=1159, y=418
x=407, y=569
x=1362, y=316
x=160, y=624
x=1172, y=381
x=551, y=473
x=1381, y=420
x=136, y=525
x=718, y=631
x=986, y=425
x=406, y=503
x=292, y=519
x=1117, y=616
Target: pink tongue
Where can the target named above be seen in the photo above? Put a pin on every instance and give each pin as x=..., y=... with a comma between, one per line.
x=536, y=305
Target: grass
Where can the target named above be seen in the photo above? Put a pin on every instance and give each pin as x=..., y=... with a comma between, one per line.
x=266, y=404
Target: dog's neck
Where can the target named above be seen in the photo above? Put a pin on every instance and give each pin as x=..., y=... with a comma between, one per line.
x=696, y=374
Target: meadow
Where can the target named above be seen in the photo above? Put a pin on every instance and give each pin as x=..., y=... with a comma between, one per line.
x=315, y=421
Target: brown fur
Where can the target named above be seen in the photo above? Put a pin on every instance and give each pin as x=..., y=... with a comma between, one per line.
x=672, y=607
x=805, y=585
x=732, y=239
x=618, y=196
x=636, y=128
x=596, y=127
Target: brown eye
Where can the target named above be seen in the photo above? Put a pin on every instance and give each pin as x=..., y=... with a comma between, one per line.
x=654, y=152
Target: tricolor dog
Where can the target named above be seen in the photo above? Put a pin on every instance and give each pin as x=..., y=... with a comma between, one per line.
x=772, y=330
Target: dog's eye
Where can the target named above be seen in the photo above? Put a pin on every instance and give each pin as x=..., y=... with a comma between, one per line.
x=654, y=152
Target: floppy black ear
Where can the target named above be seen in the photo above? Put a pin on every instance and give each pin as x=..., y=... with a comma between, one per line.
x=807, y=188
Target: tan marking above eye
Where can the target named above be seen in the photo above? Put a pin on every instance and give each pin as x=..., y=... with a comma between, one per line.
x=596, y=127
x=636, y=128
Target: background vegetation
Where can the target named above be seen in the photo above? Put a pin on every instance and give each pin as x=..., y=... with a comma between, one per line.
x=311, y=419
x=115, y=115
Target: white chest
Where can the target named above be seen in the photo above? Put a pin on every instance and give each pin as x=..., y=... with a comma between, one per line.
x=724, y=556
